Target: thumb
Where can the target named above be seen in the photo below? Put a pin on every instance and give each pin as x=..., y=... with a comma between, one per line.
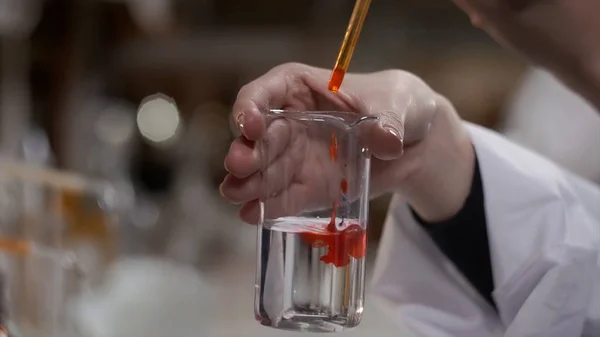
x=385, y=139
x=395, y=130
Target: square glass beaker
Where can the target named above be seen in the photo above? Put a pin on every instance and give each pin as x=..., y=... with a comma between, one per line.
x=313, y=220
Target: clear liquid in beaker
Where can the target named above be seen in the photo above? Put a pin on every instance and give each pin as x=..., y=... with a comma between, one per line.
x=311, y=279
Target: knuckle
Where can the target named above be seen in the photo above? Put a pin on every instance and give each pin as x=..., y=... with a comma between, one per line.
x=295, y=72
x=403, y=80
x=247, y=88
x=291, y=66
x=396, y=75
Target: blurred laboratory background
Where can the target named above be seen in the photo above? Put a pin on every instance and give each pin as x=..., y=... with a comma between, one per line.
x=111, y=224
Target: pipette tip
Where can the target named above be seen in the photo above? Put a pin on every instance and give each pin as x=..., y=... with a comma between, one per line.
x=337, y=76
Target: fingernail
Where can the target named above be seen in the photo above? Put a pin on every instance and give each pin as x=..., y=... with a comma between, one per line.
x=239, y=120
x=222, y=193
x=391, y=130
x=225, y=165
x=399, y=150
x=221, y=190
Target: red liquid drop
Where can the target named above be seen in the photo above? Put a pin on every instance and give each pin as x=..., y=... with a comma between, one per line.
x=344, y=186
x=331, y=226
x=341, y=245
x=336, y=79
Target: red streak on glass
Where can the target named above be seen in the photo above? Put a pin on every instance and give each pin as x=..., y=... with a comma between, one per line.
x=331, y=227
x=344, y=186
x=333, y=153
x=333, y=147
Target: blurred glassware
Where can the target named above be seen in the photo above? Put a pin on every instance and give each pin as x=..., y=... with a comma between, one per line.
x=35, y=147
x=39, y=285
x=206, y=230
x=61, y=211
x=15, y=95
x=153, y=215
x=98, y=133
x=97, y=140
x=18, y=19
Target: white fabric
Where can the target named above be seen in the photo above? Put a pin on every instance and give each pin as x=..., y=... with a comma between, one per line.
x=552, y=120
x=544, y=236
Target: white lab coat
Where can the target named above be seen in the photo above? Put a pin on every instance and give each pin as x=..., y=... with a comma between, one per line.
x=549, y=118
x=544, y=237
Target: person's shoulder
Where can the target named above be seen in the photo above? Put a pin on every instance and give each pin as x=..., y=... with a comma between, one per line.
x=528, y=176
x=496, y=152
x=549, y=118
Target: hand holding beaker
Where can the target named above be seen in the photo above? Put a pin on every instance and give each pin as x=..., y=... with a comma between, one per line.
x=307, y=160
x=292, y=167
x=404, y=159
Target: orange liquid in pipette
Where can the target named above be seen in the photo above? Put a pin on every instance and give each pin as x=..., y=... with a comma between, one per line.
x=336, y=79
x=342, y=62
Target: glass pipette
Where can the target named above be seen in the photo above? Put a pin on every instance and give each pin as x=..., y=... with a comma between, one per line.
x=349, y=44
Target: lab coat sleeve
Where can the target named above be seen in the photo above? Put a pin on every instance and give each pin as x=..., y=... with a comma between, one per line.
x=543, y=230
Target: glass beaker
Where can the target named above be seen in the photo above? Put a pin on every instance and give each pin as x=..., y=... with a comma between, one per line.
x=60, y=210
x=38, y=285
x=313, y=219
x=53, y=225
